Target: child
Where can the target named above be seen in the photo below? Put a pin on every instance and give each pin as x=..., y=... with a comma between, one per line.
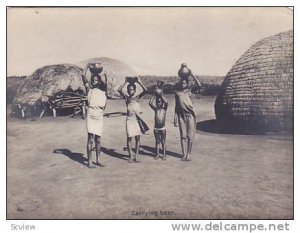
x=96, y=105
x=185, y=116
x=134, y=124
x=160, y=110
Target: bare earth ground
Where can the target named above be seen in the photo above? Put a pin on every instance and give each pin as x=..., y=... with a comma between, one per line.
x=230, y=176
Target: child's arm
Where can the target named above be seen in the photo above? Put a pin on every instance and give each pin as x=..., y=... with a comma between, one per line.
x=166, y=106
x=151, y=103
x=105, y=81
x=176, y=111
x=84, y=79
x=175, y=120
x=120, y=90
x=165, y=102
x=143, y=87
x=196, y=80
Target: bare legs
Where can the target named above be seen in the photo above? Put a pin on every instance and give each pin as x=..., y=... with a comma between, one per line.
x=183, y=148
x=98, y=150
x=89, y=148
x=189, y=149
x=186, y=147
x=157, y=142
x=137, y=149
x=160, y=138
x=187, y=133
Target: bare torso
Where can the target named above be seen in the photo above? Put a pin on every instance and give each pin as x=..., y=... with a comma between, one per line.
x=160, y=118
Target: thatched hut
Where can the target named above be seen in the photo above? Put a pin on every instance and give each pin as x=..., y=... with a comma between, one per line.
x=12, y=86
x=258, y=90
x=48, y=81
x=116, y=72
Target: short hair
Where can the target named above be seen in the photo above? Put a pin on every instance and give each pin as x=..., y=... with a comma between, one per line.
x=95, y=76
x=160, y=84
x=131, y=85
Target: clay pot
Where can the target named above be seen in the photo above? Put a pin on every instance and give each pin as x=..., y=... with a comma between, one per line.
x=184, y=71
x=131, y=80
x=158, y=91
x=96, y=68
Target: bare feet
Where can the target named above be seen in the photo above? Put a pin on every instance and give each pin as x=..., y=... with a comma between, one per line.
x=100, y=165
x=130, y=160
x=183, y=158
x=164, y=158
x=156, y=157
x=137, y=160
x=91, y=165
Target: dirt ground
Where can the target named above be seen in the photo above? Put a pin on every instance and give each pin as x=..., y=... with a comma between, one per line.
x=230, y=176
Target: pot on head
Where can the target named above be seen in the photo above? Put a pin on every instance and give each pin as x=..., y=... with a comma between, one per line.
x=131, y=80
x=95, y=68
x=184, y=71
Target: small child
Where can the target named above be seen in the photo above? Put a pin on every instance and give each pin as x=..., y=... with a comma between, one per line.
x=160, y=110
x=134, y=123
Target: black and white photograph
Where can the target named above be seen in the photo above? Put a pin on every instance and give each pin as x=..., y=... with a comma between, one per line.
x=178, y=113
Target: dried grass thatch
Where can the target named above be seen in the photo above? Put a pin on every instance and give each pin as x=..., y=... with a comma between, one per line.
x=259, y=87
x=12, y=85
x=49, y=80
x=116, y=72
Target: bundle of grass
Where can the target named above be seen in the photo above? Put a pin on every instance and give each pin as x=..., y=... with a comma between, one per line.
x=46, y=82
x=258, y=90
x=12, y=86
x=116, y=72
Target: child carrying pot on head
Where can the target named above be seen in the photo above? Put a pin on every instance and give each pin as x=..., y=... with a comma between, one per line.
x=134, y=123
x=97, y=100
x=160, y=108
x=185, y=116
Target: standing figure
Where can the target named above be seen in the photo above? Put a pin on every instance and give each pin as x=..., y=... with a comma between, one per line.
x=134, y=123
x=160, y=109
x=185, y=116
x=96, y=104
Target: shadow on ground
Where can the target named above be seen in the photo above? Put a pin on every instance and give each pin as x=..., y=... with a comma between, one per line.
x=113, y=153
x=152, y=151
x=78, y=157
x=240, y=128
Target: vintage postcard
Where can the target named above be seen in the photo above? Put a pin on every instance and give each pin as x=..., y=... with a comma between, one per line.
x=150, y=113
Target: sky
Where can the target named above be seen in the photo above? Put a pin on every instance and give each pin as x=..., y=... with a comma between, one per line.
x=153, y=41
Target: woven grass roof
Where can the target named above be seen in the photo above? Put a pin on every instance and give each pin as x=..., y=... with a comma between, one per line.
x=49, y=80
x=259, y=87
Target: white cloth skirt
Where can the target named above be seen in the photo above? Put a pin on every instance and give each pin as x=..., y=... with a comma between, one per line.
x=94, y=121
x=132, y=126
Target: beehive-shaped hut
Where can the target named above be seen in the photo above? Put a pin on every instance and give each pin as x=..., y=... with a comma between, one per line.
x=49, y=80
x=116, y=72
x=259, y=88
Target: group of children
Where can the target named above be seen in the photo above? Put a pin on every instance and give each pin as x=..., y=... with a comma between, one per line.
x=184, y=116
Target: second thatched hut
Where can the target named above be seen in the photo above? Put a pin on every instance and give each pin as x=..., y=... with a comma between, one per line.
x=258, y=90
x=116, y=71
